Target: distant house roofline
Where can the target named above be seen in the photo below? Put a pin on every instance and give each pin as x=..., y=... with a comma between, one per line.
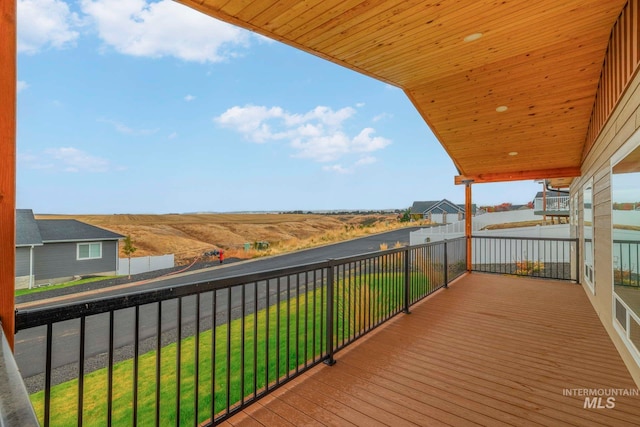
x=27, y=231
x=425, y=207
x=71, y=230
x=37, y=232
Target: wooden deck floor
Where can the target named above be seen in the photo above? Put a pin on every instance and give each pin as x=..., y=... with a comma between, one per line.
x=490, y=350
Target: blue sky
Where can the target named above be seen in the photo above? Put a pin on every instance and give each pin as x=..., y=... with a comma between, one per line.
x=133, y=106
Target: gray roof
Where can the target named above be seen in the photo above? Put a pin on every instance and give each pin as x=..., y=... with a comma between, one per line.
x=438, y=206
x=422, y=207
x=70, y=230
x=27, y=231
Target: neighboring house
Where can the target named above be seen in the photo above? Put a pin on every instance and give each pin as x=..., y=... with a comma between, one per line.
x=551, y=203
x=27, y=239
x=56, y=250
x=439, y=212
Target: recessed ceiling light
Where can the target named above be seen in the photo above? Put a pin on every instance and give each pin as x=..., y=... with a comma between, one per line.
x=502, y=109
x=513, y=153
x=472, y=37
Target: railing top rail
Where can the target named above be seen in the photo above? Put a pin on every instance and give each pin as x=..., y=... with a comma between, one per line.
x=38, y=316
x=632, y=242
x=551, y=239
x=15, y=406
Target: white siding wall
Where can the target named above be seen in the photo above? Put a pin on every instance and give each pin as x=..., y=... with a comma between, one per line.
x=624, y=122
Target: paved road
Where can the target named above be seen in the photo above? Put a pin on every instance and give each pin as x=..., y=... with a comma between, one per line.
x=30, y=349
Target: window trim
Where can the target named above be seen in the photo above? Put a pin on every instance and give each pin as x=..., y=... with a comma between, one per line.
x=89, y=244
x=589, y=282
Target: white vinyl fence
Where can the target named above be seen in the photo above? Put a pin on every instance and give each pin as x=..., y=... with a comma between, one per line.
x=145, y=264
x=525, y=245
x=456, y=229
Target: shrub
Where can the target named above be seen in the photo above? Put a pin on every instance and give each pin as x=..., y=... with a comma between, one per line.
x=526, y=267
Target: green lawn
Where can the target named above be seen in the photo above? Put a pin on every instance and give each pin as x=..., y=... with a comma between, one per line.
x=62, y=285
x=369, y=298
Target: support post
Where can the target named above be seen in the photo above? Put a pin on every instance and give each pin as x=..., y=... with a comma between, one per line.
x=578, y=261
x=7, y=166
x=467, y=220
x=446, y=266
x=329, y=337
x=544, y=201
x=407, y=282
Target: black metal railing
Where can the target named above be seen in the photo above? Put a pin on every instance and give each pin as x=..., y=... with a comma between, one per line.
x=626, y=263
x=201, y=352
x=549, y=258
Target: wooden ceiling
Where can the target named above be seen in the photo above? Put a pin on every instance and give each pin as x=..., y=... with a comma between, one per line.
x=541, y=59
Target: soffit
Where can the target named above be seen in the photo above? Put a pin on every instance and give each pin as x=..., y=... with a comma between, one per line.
x=541, y=59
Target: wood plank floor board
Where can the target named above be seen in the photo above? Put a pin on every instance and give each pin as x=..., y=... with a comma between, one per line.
x=265, y=415
x=483, y=355
x=373, y=407
x=392, y=401
x=467, y=390
x=493, y=359
x=482, y=397
x=294, y=415
x=335, y=403
x=243, y=419
x=316, y=412
x=428, y=398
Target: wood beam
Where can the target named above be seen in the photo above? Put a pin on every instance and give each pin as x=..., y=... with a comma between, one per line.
x=8, y=76
x=519, y=175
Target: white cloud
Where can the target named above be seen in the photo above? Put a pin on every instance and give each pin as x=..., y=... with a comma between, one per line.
x=365, y=143
x=366, y=161
x=74, y=160
x=324, y=115
x=22, y=85
x=189, y=98
x=164, y=28
x=173, y=135
x=33, y=161
x=317, y=134
x=381, y=117
x=122, y=128
x=337, y=168
x=67, y=159
x=251, y=121
x=45, y=23
x=324, y=148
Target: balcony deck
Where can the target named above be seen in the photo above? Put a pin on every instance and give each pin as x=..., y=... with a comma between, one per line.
x=490, y=350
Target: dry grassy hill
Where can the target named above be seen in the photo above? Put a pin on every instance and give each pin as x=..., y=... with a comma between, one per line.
x=190, y=235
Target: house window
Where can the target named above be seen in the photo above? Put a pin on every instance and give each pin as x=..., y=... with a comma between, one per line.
x=625, y=241
x=587, y=224
x=89, y=250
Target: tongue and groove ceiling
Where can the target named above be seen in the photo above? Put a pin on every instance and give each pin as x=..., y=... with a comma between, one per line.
x=540, y=59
